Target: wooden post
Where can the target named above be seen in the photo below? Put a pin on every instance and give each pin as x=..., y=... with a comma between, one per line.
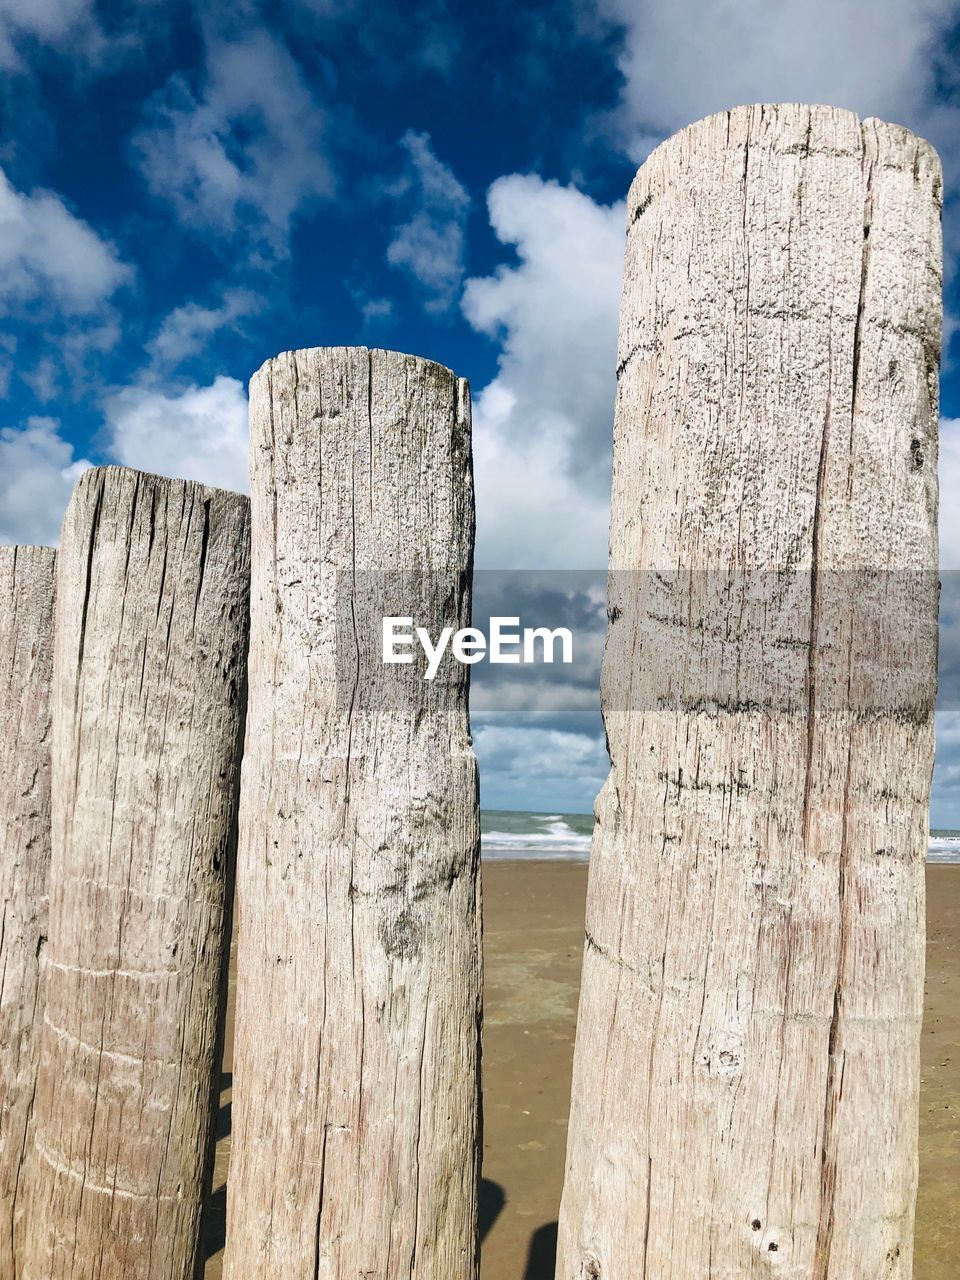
x=745, y=1096
x=356, y=1059
x=148, y=706
x=27, y=578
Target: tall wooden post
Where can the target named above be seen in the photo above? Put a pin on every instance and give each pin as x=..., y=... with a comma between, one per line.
x=27, y=579
x=746, y=1082
x=148, y=705
x=356, y=1063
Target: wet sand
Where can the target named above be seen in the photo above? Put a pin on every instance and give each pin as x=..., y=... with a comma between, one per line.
x=533, y=933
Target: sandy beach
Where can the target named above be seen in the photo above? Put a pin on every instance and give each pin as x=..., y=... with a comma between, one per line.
x=533, y=930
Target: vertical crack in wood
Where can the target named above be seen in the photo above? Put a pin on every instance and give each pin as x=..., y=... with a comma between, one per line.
x=28, y=584
x=835, y=1057
x=151, y=642
x=787, y=265
x=366, y=891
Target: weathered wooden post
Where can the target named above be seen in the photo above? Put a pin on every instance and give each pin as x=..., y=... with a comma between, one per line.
x=148, y=710
x=747, y=1063
x=356, y=1064
x=27, y=580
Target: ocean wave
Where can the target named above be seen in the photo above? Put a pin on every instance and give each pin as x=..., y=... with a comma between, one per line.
x=944, y=847
x=550, y=836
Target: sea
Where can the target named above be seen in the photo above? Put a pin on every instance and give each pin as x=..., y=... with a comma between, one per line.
x=517, y=835
x=944, y=846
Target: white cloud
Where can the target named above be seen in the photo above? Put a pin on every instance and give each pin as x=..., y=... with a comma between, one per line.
x=374, y=309
x=947, y=779
x=543, y=426
x=546, y=752
x=43, y=380
x=532, y=512
x=37, y=473
x=948, y=728
x=8, y=347
x=686, y=59
x=429, y=244
x=182, y=332
x=950, y=493
x=532, y=698
x=540, y=768
x=199, y=433
x=51, y=22
x=247, y=154
x=48, y=253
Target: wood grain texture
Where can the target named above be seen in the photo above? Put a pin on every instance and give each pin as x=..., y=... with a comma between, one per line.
x=27, y=585
x=747, y=1063
x=356, y=1060
x=148, y=704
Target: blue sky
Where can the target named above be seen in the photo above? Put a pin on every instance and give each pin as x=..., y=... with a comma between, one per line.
x=185, y=192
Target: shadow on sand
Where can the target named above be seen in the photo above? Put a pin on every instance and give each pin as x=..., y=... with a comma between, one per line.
x=542, y=1254
x=491, y=1200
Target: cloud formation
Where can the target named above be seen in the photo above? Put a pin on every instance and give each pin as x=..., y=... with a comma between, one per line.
x=687, y=59
x=49, y=255
x=429, y=245
x=38, y=470
x=949, y=491
x=543, y=426
x=248, y=152
x=540, y=769
x=194, y=433
x=181, y=335
x=198, y=433
x=49, y=22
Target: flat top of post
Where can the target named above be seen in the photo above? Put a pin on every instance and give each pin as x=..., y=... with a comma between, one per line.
x=30, y=550
x=370, y=352
x=743, y=123
x=121, y=475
